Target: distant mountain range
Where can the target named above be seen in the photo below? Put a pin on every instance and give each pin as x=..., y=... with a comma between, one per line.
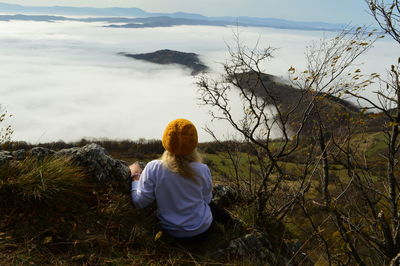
x=138, y=18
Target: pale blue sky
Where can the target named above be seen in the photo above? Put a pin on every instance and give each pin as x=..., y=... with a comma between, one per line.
x=342, y=11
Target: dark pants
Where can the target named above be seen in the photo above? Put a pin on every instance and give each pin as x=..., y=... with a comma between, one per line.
x=219, y=215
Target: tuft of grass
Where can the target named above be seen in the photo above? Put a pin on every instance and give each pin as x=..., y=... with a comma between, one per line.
x=34, y=184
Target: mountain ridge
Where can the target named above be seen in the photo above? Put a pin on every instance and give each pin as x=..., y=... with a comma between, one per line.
x=140, y=13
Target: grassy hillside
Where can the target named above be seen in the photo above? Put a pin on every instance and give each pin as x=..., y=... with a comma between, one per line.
x=51, y=213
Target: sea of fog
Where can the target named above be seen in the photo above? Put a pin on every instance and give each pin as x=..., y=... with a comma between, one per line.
x=66, y=81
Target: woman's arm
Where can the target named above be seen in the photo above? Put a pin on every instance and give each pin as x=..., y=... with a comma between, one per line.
x=208, y=189
x=136, y=170
x=142, y=191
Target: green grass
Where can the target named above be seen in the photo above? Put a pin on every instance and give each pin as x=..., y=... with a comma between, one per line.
x=378, y=145
x=222, y=165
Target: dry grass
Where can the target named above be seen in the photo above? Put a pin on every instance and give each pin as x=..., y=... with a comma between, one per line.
x=51, y=215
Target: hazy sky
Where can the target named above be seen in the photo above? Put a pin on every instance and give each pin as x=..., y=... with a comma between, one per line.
x=342, y=11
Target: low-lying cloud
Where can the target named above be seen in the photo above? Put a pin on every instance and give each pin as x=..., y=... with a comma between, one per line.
x=66, y=81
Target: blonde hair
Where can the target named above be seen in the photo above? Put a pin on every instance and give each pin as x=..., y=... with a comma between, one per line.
x=180, y=163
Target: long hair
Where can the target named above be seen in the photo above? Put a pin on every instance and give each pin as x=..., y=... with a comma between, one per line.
x=180, y=163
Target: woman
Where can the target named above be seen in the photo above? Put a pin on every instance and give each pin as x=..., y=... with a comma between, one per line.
x=178, y=181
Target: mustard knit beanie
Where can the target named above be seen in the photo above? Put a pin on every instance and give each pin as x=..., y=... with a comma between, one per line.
x=180, y=137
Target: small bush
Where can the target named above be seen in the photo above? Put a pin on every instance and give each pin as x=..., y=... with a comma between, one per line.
x=5, y=130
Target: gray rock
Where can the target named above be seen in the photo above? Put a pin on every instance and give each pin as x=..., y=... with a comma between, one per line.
x=94, y=159
x=5, y=156
x=254, y=247
x=19, y=155
x=98, y=164
x=224, y=196
x=40, y=152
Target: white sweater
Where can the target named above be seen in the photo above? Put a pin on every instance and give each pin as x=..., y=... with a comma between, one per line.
x=182, y=204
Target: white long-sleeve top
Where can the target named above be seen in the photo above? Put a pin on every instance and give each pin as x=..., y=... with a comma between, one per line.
x=182, y=205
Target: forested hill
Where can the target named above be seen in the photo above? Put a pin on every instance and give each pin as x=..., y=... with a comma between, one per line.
x=331, y=109
x=166, y=56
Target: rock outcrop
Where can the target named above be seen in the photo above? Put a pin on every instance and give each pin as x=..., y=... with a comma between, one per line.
x=5, y=156
x=94, y=159
x=224, y=196
x=102, y=167
x=253, y=247
x=40, y=153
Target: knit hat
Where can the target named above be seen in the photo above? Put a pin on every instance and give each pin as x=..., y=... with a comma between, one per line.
x=180, y=137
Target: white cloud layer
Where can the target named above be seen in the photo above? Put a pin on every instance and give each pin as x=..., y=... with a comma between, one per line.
x=66, y=81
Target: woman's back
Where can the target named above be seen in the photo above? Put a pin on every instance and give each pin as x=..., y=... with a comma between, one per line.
x=182, y=205
x=179, y=182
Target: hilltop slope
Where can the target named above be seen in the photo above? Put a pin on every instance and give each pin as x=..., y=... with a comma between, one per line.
x=331, y=110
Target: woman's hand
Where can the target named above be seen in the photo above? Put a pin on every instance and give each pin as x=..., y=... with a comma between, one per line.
x=136, y=170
